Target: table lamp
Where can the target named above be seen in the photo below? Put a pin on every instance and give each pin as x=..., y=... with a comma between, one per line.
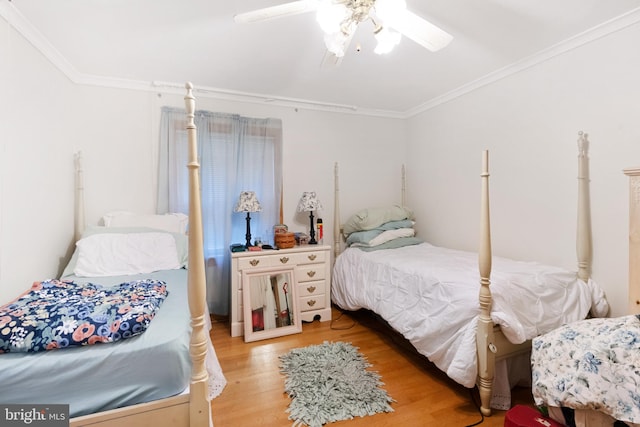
x=309, y=203
x=248, y=202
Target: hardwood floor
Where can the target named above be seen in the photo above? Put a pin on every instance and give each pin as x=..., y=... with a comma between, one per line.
x=424, y=396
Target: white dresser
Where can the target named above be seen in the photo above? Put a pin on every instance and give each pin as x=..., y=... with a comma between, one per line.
x=312, y=270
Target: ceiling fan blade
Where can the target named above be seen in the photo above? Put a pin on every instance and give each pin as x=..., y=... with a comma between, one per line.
x=286, y=9
x=329, y=60
x=422, y=31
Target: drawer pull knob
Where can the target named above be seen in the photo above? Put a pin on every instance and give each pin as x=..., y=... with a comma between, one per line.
x=311, y=289
x=254, y=262
x=284, y=259
x=311, y=273
x=312, y=257
x=311, y=302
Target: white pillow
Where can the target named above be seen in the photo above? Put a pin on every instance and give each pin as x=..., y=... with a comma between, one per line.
x=124, y=254
x=172, y=222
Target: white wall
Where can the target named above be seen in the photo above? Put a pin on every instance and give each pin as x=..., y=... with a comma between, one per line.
x=50, y=118
x=530, y=121
x=36, y=168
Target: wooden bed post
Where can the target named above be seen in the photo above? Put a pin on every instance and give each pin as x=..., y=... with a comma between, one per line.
x=336, y=213
x=337, y=226
x=583, y=239
x=199, y=406
x=403, y=196
x=484, y=335
x=79, y=220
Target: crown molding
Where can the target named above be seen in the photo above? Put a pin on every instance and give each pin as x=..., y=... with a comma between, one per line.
x=16, y=20
x=613, y=25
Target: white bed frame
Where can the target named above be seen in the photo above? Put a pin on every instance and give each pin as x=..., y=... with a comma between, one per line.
x=190, y=409
x=491, y=343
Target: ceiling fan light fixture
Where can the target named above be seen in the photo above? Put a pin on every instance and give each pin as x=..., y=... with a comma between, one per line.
x=339, y=20
x=387, y=39
x=331, y=15
x=336, y=43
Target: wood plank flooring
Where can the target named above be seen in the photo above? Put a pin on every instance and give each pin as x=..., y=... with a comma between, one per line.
x=254, y=395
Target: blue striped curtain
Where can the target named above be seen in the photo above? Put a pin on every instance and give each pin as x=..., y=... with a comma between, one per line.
x=235, y=154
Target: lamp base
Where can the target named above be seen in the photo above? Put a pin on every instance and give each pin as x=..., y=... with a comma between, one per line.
x=248, y=235
x=312, y=232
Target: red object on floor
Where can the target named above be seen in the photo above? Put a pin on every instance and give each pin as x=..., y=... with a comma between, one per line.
x=525, y=416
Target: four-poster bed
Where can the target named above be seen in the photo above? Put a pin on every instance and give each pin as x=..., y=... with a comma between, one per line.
x=465, y=311
x=192, y=408
x=165, y=376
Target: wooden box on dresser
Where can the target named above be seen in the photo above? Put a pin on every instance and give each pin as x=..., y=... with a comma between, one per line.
x=312, y=267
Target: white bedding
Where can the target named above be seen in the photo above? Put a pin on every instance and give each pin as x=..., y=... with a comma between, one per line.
x=430, y=295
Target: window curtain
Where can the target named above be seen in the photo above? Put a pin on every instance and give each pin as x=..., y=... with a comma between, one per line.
x=235, y=154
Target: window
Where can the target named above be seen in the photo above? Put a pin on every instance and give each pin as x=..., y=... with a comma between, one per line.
x=235, y=154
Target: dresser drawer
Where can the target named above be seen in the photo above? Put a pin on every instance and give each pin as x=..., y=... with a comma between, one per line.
x=253, y=262
x=312, y=257
x=311, y=288
x=310, y=272
x=313, y=302
x=283, y=260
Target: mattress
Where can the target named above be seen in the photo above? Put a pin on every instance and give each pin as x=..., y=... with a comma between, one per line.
x=430, y=295
x=150, y=366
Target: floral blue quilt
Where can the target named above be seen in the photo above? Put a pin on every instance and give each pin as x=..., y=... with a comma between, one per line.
x=56, y=314
x=590, y=364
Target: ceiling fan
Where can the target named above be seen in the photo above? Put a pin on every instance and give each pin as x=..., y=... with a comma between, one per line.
x=339, y=20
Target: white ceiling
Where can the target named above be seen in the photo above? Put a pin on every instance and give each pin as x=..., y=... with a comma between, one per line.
x=198, y=40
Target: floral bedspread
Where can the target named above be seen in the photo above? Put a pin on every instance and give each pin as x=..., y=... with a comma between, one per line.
x=590, y=364
x=57, y=314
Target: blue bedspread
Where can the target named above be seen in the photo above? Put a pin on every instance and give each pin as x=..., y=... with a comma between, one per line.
x=57, y=314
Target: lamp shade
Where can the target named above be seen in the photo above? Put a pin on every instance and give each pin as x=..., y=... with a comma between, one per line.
x=248, y=202
x=309, y=202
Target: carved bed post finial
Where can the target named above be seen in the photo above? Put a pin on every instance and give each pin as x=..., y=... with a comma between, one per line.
x=403, y=195
x=79, y=223
x=583, y=239
x=190, y=103
x=583, y=144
